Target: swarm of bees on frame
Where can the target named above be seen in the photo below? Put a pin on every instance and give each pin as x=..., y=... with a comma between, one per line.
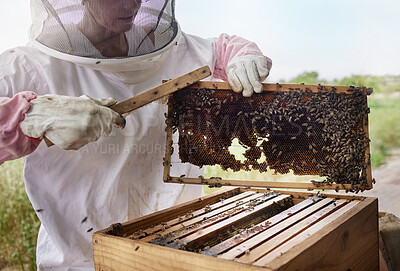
x=300, y=131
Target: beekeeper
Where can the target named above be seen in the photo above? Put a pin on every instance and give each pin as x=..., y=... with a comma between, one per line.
x=81, y=52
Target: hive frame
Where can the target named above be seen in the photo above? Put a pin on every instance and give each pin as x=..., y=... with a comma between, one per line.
x=267, y=184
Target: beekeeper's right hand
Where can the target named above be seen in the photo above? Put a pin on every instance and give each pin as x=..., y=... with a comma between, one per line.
x=70, y=122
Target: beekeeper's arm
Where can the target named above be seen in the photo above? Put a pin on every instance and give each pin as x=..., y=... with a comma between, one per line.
x=68, y=122
x=241, y=63
x=13, y=142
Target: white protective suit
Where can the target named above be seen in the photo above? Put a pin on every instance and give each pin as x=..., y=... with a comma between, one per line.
x=116, y=178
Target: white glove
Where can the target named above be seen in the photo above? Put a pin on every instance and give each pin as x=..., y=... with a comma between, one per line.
x=245, y=73
x=70, y=122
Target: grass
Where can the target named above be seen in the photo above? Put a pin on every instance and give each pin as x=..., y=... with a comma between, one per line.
x=19, y=224
x=384, y=128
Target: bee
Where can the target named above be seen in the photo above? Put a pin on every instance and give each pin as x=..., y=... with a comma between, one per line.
x=201, y=178
x=39, y=210
x=84, y=220
x=207, y=208
x=216, y=178
x=189, y=214
x=89, y=230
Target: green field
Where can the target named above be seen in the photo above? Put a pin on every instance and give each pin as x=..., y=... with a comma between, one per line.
x=384, y=128
x=19, y=224
x=18, y=221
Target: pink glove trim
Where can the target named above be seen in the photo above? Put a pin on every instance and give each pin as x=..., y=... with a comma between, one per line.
x=229, y=47
x=13, y=142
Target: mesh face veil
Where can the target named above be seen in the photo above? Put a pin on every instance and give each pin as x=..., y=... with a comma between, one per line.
x=85, y=31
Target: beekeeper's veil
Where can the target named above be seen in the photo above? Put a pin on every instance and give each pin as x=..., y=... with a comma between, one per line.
x=80, y=31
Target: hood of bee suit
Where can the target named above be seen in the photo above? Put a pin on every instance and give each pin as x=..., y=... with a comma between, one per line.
x=129, y=38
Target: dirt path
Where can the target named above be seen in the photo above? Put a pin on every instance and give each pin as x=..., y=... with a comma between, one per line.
x=387, y=187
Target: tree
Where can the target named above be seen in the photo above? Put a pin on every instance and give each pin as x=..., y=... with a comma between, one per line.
x=309, y=78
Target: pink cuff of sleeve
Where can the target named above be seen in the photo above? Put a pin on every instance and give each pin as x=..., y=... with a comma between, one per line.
x=229, y=47
x=13, y=142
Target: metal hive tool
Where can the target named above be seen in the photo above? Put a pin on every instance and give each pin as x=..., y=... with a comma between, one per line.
x=300, y=129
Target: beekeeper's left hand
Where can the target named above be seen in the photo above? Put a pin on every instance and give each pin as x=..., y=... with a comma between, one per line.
x=245, y=73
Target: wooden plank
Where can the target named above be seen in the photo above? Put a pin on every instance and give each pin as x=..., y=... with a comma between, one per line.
x=206, y=219
x=249, y=233
x=168, y=151
x=169, y=213
x=126, y=107
x=200, y=237
x=280, y=87
x=271, y=232
x=367, y=152
x=249, y=183
x=278, y=240
x=202, y=211
x=120, y=254
x=302, y=194
x=351, y=233
x=349, y=242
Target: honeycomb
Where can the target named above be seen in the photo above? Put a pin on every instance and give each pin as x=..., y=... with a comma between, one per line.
x=308, y=133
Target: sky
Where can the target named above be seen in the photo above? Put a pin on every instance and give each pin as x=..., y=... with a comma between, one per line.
x=335, y=38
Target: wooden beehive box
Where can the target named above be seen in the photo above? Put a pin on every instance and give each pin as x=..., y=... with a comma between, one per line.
x=243, y=228
x=284, y=231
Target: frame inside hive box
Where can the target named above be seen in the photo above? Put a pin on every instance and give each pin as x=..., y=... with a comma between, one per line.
x=316, y=136
x=247, y=229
